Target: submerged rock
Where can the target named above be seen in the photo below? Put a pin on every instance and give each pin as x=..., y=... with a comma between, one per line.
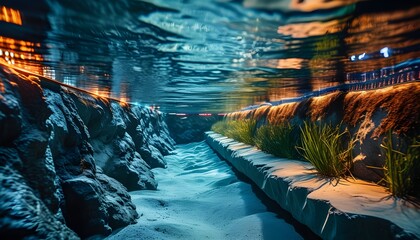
x=190, y=129
x=62, y=153
x=121, y=161
x=98, y=198
x=10, y=116
x=127, y=140
x=102, y=204
x=29, y=191
x=24, y=214
x=151, y=136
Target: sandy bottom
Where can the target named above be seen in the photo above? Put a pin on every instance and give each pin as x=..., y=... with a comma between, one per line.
x=199, y=197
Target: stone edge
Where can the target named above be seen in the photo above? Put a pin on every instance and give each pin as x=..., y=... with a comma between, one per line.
x=319, y=215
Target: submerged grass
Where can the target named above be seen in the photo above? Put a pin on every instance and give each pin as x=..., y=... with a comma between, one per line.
x=240, y=130
x=401, y=167
x=220, y=127
x=323, y=146
x=329, y=149
x=277, y=140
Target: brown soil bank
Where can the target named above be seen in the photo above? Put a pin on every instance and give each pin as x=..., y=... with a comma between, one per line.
x=369, y=115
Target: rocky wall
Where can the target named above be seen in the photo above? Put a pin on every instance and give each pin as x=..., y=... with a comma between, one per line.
x=67, y=159
x=368, y=115
x=190, y=128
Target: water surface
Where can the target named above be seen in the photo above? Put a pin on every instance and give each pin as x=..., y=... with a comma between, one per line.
x=213, y=55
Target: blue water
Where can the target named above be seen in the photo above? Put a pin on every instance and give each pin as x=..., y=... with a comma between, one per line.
x=200, y=197
x=213, y=55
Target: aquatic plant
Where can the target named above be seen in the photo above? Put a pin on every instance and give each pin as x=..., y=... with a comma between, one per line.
x=220, y=127
x=277, y=140
x=325, y=147
x=240, y=130
x=401, y=166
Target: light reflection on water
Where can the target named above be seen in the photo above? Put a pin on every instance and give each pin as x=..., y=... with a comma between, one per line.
x=213, y=56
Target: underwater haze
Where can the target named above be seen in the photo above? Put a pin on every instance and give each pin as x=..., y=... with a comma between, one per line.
x=213, y=56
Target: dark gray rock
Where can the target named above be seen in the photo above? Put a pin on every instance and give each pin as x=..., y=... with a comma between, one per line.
x=127, y=140
x=114, y=149
x=53, y=143
x=152, y=156
x=147, y=137
x=98, y=198
x=191, y=128
x=29, y=190
x=122, y=162
x=97, y=205
x=23, y=214
x=10, y=115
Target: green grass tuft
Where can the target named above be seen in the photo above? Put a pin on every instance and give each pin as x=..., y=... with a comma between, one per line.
x=240, y=130
x=401, y=167
x=220, y=127
x=277, y=140
x=323, y=146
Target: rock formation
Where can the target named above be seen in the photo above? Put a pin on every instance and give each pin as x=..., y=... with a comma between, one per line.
x=186, y=129
x=68, y=158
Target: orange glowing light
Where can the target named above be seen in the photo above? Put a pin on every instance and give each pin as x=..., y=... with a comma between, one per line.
x=285, y=63
x=299, y=5
x=309, y=6
x=20, y=54
x=123, y=104
x=10, y=15
x=290, y=63
x=99, y=92
x=279, y=93
x=310, y=29
x=122, y=96
x=2, y=89
x=123, y=100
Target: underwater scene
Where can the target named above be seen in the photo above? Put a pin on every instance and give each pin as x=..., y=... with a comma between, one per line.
x=209, y=119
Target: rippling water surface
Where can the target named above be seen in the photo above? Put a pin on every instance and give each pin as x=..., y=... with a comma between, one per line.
x=213, y=55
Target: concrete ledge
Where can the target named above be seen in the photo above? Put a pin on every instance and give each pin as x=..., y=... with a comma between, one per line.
x=345, y=209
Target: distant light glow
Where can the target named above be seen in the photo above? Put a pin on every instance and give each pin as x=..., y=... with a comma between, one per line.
x=361, y=56
x=16, y=52
x=70, y=80
x=385, y=51
x=353, y=58
x=10, y=15
x=310, y=29
x=204, y=114
x=48, y=72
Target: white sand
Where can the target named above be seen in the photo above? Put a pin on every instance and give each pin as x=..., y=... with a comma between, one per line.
x=199, y=197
